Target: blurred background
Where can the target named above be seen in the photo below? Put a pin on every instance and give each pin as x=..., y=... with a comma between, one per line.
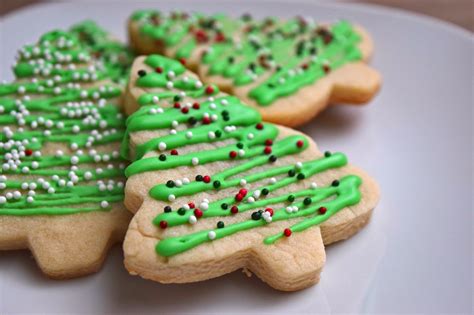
x=460, y=12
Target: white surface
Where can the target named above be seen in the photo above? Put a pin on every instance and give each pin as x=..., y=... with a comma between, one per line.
x=415, y=138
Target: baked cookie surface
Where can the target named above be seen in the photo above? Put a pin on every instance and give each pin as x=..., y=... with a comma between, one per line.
x=289, y=70
x=215, y=189
x=61, y=175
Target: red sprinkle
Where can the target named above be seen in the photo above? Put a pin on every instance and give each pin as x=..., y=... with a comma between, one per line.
x=287, y=232
x=269, y=210
x=304, y=66
x=233, y=154
x=159, y=69
x=198, y=213
x=322, y=210
x=185, y=110
x=269, y=142
x=191, y=205
x=201, y=36
x=177, y=105
x=234, y=209
x=243, y=192
x=220, y=37
x=267, y=150
x=209, y=90
x=206, y=179
x=182, y=61
x=326, y=68
x=299, y=143
x=196, y=105
x=259, y=126
x=28, y=152
x=206, y=120
x=174, y=152
x=163, y=224
x=239, y=197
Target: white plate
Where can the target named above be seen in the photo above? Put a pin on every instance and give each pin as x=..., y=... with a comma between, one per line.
x=415, y=138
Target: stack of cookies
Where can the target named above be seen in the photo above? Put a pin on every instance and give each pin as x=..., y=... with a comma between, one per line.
x=216, y=179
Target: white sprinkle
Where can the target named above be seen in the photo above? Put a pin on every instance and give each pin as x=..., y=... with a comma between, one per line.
x=104, y=204
x=189, y=134
x=314, y=185
x=272, y=180
x=250, y=136
x=192, y=219
x=299, y=165
x=250, y=199
x=195, y=161
x=2, y=200
x=87, y=175
x=74, y=159
x=162, y=146
x=211, y=135
x=30, y=199
x=211, y=235
x=171, y=197
x=204, y=206
x=243, y=182
x=16, y=194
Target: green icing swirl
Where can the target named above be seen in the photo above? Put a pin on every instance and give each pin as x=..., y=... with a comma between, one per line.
x=249, y=141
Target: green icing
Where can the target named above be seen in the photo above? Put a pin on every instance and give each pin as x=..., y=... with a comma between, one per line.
x=248, y=141
x=346, y=194
x=49, y=105
x=284, y=55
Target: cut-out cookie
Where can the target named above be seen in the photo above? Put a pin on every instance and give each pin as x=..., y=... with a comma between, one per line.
x=61, y=175
x=289, y=70
x=215, y=189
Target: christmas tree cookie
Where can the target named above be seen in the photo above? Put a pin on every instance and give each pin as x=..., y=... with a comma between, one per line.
x=288, y=70
x=61, y=175
x=215, y=189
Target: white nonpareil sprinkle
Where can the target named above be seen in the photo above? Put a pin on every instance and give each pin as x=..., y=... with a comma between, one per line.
x=243, y=182
x=162, y=146
x=211, y=235
x=204, y=206
x=195, y=161
x=74, y=159
x=171, y=197
x=192, y=219
x=104, y=204
x=314, y=185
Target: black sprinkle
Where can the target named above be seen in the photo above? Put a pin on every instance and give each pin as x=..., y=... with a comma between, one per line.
x=162, y=157
x=170, y=184
x=256, y=215
x=141, y=73
x=335, y=183
x=168, y=209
